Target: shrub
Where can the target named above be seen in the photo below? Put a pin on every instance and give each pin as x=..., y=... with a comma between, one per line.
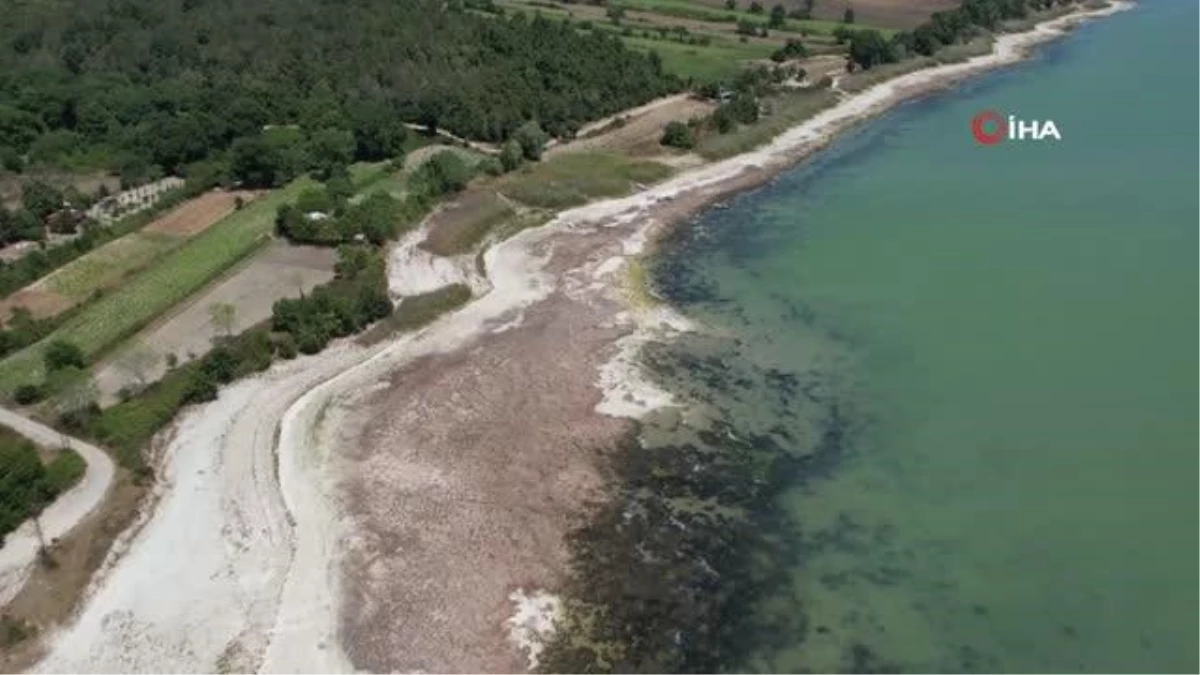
x=441, y=174
x=28, y=393
x=677, y=135
x=63, y=354
x=532, y=139
x=491, y=166
x=511, y=155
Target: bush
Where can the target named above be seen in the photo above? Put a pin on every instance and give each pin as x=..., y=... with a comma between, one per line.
x=442, y=174
x=792, y=49
x=28, y=393
x=677, y=135
x=491, y=166
x=532, y=140
x=723, y=120
x=511, y=155
x=63, y=354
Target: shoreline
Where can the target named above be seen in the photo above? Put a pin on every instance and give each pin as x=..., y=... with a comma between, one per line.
x=269, y=589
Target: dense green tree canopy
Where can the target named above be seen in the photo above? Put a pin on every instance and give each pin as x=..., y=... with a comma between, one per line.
x=167, y=82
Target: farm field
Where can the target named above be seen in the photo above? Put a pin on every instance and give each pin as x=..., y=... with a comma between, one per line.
x=108, y=266
x=281, y=270
x=103, y=323
x=890, y=13
x=695, y=40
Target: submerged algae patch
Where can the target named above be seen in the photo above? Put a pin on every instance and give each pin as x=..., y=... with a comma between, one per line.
x=678, y=568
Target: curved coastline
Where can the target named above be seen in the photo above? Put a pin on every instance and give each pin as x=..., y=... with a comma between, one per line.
x=260, y=523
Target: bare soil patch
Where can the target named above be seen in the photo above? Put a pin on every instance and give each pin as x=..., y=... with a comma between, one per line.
x=279, y=271
x=639, y=130
x=196, y=215
x=40, y=302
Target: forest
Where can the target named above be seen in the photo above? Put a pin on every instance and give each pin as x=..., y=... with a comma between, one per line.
x=145, y=87
x=869, y=48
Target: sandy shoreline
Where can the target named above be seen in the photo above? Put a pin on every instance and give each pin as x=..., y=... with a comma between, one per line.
x=384, y=507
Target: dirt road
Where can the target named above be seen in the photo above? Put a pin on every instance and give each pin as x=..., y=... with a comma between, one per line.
x=20, y=549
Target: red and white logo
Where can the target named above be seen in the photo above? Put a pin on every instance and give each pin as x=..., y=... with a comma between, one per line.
x=990, y=128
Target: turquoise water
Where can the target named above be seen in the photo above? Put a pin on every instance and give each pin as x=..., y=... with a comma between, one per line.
x=1007, y=337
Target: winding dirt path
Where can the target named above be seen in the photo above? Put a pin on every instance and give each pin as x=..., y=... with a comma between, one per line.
x=20, y=550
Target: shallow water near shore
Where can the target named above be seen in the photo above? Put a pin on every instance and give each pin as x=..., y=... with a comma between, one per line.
x=989, y=356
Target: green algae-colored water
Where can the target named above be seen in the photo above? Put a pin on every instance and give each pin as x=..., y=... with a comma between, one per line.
x=1010, y=336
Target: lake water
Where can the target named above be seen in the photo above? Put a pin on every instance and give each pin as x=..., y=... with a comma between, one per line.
x=1006, y=338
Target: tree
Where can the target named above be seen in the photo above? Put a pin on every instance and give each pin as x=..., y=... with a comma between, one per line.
x=848, y=15
x=10, y=160
x=41, y=199
x=271, y=158
x=223, y=316
x=511, y=155
x=330, y=149
x=441, y=174
x=677, y=135
x=615, y=13
x=27, y=393
x=379, y=133
x=62, y=354
x=532, y=139
x=75, y=394
x=756, y=7
x=722, y=120
x=869, y=48
x=778, y=16
x=792, y=49
x=139, y=361
x=731, y=4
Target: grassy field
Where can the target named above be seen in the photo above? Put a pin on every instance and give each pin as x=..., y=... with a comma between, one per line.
x=107, y=265
x=691, y=10
x=416, y=311
x=461, y=226
x=725, y=52
x=704, y=63
x=110, y=319
x=787, y=110
x=573, y=179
